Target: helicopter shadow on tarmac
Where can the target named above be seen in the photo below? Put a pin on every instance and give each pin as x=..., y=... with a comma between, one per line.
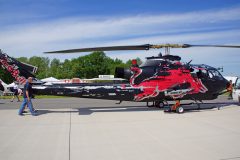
x=47, y=111
x=188, y=108
x=90, y=110
x=111, y=109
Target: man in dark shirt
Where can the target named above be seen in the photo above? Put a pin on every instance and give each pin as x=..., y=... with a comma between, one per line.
x=27, y=96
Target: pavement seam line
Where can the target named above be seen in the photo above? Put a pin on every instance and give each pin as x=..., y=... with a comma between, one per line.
x=69, y=133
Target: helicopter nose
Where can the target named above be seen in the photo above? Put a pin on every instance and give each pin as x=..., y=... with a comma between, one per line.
x=225, y=83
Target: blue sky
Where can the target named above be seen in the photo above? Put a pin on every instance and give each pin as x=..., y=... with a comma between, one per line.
x=28, y=27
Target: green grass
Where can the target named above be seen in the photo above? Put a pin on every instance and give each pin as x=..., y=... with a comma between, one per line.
x=47, y=96
x=36, y=97
x=226, y=94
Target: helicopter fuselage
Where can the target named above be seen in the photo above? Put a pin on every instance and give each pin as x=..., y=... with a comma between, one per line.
x=158, y=79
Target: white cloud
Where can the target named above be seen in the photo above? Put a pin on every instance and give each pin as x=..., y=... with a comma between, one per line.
x=212, y=26
x=80, y=29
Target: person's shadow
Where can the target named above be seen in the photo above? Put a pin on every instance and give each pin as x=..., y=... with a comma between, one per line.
x=46, y=111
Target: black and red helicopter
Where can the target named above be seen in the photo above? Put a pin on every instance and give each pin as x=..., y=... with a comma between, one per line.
x=160, y=79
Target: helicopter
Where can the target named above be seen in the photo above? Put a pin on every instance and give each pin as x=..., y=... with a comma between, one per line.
x=158, y=80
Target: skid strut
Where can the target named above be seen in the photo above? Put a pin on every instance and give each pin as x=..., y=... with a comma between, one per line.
x=175, y=108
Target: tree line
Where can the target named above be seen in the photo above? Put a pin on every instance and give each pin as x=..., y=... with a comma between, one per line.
x=88, y=66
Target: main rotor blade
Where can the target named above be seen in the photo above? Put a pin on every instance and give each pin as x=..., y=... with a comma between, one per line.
x=226, y=46
x=111, y=48
x=137, y=47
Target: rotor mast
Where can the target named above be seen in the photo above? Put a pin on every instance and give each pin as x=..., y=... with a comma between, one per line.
x=168, y=46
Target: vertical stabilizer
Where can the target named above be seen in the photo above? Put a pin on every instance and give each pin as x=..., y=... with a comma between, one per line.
x=19, y=71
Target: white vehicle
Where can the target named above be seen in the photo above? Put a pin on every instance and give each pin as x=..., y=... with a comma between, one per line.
x=236, y=90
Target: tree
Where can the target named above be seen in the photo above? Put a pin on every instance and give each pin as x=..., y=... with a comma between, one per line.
x=43, y=66
x=55, y=68
x=66, y=69
x=23, y=59
x=91, y=65
x=88, y=66
x=5, y=76
x=115, y=63
x=129, y=62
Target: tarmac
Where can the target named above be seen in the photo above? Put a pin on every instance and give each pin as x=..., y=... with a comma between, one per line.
x=75, y=128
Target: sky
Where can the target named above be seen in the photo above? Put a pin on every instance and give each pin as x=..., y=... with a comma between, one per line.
x=29, y=28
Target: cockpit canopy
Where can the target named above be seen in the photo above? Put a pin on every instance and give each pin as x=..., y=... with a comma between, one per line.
x=207, y=72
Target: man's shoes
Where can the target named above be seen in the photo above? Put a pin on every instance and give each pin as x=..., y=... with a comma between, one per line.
x=21, y=114
x=24, y=112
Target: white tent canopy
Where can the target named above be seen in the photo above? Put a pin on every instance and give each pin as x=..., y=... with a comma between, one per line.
x=50, y=79
x=11, y=85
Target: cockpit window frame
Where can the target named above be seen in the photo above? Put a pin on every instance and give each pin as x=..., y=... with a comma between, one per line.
x=214, y=74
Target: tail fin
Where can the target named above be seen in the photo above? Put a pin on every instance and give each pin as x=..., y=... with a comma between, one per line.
x=20, y=71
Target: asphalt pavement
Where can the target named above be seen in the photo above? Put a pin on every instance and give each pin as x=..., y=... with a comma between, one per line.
x=75, y=128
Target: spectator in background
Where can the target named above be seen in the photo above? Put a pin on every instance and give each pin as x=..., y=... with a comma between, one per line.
x=15, y=91
x=230, y=89
x=19, y=92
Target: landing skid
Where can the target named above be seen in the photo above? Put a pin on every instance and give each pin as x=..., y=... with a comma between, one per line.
x=158, y=104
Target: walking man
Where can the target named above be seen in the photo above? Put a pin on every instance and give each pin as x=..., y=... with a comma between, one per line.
x=27, y=96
